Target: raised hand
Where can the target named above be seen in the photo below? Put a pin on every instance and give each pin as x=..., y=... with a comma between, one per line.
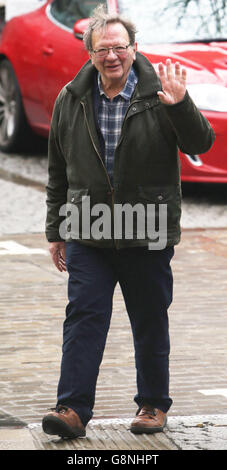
x=173, y=82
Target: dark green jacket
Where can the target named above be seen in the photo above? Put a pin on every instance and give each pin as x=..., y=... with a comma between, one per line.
x=146, y=165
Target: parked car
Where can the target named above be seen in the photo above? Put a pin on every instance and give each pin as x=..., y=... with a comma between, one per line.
x=43, y=50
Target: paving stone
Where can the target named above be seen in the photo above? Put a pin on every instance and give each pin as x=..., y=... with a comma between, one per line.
x=14, y=439
x=107, y=434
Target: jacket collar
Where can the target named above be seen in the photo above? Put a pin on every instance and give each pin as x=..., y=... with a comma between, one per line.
x=148, y=83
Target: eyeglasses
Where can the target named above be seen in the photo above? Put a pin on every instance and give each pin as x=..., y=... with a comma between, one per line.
x=118, y=50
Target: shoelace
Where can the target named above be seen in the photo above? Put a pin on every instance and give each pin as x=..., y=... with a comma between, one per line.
x=150, y=412
x=60, y=409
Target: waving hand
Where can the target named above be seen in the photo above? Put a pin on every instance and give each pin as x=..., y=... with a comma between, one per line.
x=173, y=82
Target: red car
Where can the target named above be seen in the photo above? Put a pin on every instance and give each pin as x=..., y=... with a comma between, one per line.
x=41, y=51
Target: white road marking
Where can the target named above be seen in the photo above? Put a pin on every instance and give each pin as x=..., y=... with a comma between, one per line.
x=10, y=247
x=215, y=391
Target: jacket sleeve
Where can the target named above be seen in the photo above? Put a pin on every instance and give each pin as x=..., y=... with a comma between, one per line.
x=193, y=131
x=57, y=180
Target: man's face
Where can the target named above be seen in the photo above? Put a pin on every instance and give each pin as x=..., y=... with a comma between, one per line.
x=114, y=69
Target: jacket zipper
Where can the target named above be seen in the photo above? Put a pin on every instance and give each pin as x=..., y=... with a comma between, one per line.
x=101, y=160
x=125, y=118
x=122, y=135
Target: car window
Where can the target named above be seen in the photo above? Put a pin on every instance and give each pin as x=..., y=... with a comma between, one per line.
x=68, y=12
x=177, y=21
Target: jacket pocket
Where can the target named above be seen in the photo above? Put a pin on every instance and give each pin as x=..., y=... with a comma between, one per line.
x=75, y=195
x=75, y=207
x=169, y=196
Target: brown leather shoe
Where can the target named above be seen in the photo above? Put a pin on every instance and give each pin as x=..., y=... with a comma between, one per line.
x=64, y=422
x=148, y=420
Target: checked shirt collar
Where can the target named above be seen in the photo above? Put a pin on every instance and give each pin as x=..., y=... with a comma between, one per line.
x=128, y=89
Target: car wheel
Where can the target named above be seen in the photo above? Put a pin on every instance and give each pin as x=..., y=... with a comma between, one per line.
x=13, y=125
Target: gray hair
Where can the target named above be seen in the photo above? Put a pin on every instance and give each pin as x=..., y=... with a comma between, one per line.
x=100, y=18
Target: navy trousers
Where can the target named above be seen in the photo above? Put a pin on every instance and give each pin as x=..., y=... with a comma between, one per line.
x=146, y=282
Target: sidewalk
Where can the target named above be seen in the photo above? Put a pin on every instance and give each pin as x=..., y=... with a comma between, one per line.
x=32, y=301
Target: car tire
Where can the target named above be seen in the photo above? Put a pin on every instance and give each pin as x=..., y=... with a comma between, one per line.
x=14, y=130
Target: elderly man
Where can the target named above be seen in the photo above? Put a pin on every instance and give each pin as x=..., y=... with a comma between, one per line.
x=115, y=133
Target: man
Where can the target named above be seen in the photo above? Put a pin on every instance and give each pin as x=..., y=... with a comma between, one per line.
x=114, y=138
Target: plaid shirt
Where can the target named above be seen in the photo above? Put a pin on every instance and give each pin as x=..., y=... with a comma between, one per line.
x=111, y=115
